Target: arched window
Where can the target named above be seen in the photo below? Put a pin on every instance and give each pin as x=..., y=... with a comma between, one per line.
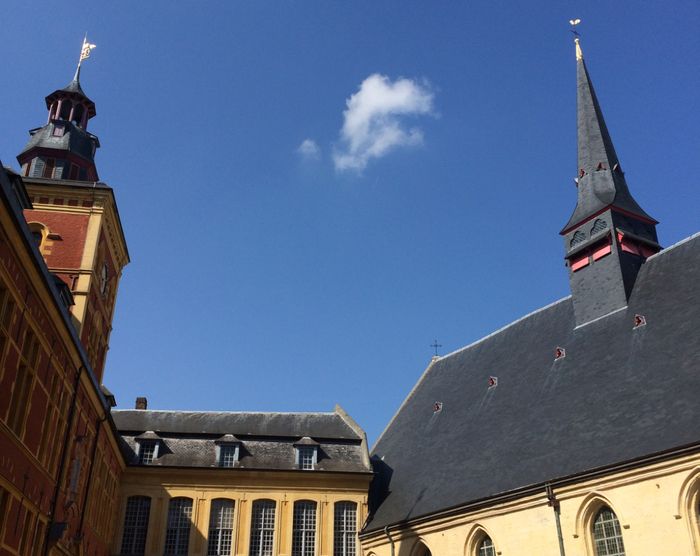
x=262, y=528
x=38, y=232
x=421, y=550
x=66, y=106
x=598, y=226
x=485, y=547
x=136, y=515
x=345, y=529
x=607, y=534
x=220, y=527
x=177, y=532
x=304, y=528
x=579, y=237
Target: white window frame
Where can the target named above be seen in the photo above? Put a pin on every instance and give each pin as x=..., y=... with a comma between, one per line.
x=141, y=445
x=300, y=459
x=220, y=453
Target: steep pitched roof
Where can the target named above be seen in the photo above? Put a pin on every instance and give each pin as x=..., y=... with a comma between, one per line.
x=603, y=183
x=619, y=394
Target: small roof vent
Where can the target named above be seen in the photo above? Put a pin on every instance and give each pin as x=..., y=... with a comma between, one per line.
x=437, y=407
x=639, y=321
x=559, y=353
x=492, y=382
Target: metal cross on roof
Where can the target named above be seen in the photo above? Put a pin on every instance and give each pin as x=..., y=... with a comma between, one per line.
x=436, y=346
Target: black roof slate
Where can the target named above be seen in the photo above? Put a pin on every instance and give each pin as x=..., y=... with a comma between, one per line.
x=266, y=440
x=619, y=394
x=603, y=186
x=316, y=425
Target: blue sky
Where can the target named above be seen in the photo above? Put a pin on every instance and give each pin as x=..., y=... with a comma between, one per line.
x=313, y=191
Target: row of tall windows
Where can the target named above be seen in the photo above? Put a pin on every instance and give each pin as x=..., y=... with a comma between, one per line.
x=32, y=527
x=220, y=534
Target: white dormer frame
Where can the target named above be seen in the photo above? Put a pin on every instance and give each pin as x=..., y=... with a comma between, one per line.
x=300, y=449
x=227, y=445
x=141, y=443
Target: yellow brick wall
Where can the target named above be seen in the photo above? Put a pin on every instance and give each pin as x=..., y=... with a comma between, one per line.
x=657, y=506
x=203, y=486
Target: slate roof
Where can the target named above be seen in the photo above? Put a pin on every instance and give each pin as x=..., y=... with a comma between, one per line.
x=267, y=440
x=74, y=140
x=600, y=186
x=618, y=395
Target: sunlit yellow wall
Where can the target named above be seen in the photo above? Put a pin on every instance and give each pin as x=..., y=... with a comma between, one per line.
x=657, y=506
x=243, y=487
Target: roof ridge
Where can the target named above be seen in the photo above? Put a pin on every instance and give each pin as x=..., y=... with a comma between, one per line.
x=677, y=244
x=503, y=328
x=440, y=358
x=328, y=413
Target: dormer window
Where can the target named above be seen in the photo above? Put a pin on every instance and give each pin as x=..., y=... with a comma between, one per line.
x=148, y=451
x=227, y=451
x=306, y=453
x=228, y=455
x=147, y=447
x=306, y=457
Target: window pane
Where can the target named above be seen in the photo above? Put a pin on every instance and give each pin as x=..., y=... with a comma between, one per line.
x=262, y=530
x=220, y=527
x=607, y=535
x=177, y=532
x=345, y=529
x=304, y=529
x=306, y=457
x=135, y=525
x=147, y=451
x=227, y=455
x=486, y=547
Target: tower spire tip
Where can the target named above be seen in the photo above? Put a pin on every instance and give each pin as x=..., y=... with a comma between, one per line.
x=577, y=42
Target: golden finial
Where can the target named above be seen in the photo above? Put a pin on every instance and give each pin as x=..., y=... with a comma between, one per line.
x=579, y=52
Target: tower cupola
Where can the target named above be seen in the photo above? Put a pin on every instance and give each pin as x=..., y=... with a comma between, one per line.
x=63, y=148
x=608, y=236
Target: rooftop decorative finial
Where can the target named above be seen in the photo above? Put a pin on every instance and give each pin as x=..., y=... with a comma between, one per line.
x=84, y=55
x=579, y=52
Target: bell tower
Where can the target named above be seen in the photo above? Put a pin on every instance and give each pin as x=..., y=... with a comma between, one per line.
x=74, y=219
x=608, y=236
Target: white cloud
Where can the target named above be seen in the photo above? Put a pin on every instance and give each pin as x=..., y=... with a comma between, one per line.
x=309, y=149
x=374, y=120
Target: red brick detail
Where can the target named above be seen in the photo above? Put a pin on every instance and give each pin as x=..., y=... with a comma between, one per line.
x=66, y=252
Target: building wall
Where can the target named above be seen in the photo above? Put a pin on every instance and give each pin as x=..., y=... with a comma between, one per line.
x=657, y=506
x=81, y=236
x=243, y=487
x=58, y=456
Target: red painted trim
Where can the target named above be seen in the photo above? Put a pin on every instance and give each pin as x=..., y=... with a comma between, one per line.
x=614, y=209
x=601, y=252
x=580, y=262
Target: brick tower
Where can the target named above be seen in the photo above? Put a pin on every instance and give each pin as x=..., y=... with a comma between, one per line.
x=74, y=219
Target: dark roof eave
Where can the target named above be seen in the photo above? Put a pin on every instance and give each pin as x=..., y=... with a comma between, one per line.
x=537, y=487
x=314, y=472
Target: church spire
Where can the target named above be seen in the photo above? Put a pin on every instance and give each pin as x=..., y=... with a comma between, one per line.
x=601, y=181
x=608, y=236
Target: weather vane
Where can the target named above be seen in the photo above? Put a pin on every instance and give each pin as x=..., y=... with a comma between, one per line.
x=574, y=23
x=85, y=50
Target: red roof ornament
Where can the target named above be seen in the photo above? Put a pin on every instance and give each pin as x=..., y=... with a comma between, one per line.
x=493, y=381
x=437, y=407
x=559, y=353
x=639, y=320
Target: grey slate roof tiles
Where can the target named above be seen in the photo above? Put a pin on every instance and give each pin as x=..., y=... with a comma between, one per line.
x=620, y=394
x=267, y=440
